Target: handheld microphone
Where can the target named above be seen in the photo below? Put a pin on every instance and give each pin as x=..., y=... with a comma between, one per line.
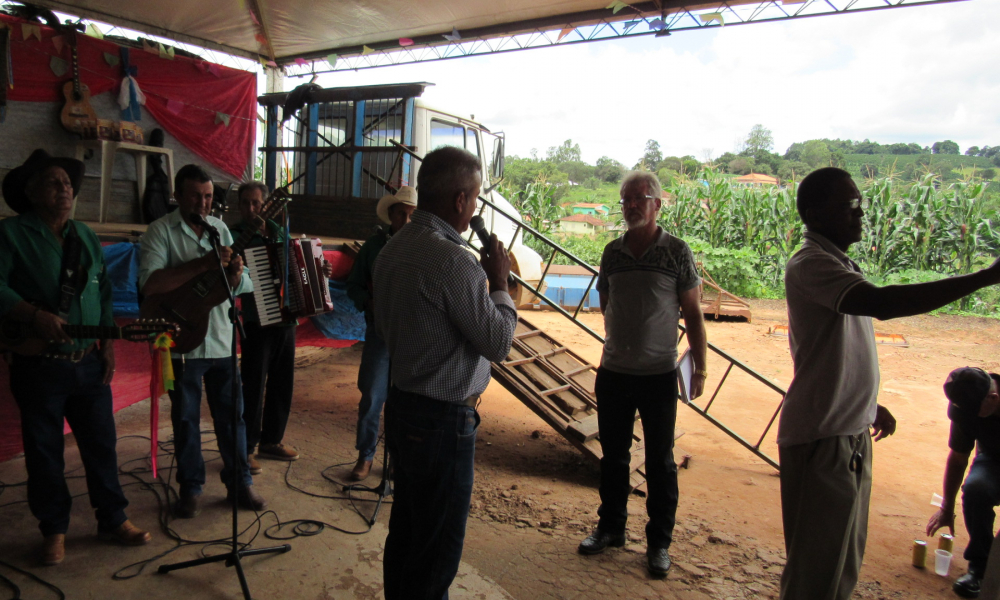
x=479, y=226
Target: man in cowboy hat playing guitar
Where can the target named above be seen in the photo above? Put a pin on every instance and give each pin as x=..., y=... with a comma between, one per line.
x=52, y=273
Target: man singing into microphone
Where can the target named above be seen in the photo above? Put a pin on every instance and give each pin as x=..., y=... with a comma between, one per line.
x=175, y=249
x=443, y=326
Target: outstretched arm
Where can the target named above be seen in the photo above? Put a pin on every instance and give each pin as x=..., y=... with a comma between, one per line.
x=893, y=301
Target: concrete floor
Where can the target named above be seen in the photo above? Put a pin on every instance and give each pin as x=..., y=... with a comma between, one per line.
x=330, y=565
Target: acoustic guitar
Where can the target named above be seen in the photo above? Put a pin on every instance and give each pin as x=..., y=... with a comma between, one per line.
x=189, y=304
x=18, y=337
x=77, y=111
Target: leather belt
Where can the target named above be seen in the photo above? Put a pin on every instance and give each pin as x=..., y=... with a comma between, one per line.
x=75, y=356
x=471, y=401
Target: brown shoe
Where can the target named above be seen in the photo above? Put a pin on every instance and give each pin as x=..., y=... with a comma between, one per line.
x=249, y=499
x=361, y=469
x=127, y=534
x=254, y=465
x=277, y=452
x=53, y=549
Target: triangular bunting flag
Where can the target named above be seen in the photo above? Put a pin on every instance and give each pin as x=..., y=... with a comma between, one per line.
x=111, y=59
x=166, y=52
x=272, y=64
x=175, y=106
x=566, y=31
x=148, y=47
x=58, y=41
x=332, y=59
x=405, y=42
x=454, y=36
x=28, y=30
x=366, y=50
x=616, y=6
x=301, y=62
x=58, y=66
x=657, y=25
x=262, y=61
x=222, y=118
x=709, y=17
x=260, y=38
x=215, y=69
x=93, y=31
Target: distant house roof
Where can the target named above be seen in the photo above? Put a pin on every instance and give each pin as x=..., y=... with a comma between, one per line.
x=585, y=219
x=757, y=178
x=589, y=205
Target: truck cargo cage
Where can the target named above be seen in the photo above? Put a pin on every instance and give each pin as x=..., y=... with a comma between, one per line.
x=340, y=151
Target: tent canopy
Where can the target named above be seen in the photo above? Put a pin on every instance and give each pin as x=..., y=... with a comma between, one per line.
x=287, y=32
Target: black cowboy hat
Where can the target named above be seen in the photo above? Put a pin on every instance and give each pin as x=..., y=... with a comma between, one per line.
x=16, y=182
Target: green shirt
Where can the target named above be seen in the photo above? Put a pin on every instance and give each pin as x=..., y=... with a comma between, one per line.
x=359, y=282
x=30, y=261
x=170, y=242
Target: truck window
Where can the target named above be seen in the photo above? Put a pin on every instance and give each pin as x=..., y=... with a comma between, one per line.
x=446, y=134
x=471, y=143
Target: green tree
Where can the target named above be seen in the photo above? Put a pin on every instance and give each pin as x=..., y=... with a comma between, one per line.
x=651, y=156
x=972, y=151
x=758, y=141
x=577, y=171
x=793, y=170
x=988, y=174
x=945, y=147
x=609, y=170
x=691, y=166
x=816, y=154
x=741, y=165
x=567, y=152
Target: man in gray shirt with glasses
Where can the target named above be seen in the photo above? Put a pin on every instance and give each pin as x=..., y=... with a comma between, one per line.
x=824, y=443
x=647, y=276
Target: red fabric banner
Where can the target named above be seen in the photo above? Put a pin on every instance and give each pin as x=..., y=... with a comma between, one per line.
x=182, y=94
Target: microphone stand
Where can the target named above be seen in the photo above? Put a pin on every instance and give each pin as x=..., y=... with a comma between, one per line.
x=232, y=558
x=384, y=487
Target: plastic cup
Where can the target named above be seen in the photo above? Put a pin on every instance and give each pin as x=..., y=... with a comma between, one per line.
x=942, y=562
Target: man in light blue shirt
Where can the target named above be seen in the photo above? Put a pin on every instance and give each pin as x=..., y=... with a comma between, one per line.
x=175, y=250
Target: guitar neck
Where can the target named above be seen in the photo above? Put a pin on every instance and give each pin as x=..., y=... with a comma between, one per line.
x=99, y=332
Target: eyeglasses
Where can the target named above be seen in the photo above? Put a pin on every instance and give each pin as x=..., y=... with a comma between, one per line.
x=634, y=200
x=854, y=203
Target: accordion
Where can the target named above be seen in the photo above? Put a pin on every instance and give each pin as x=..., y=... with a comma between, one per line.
x=307, y=293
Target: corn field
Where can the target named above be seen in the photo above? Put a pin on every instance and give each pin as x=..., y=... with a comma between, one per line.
x=918, y=232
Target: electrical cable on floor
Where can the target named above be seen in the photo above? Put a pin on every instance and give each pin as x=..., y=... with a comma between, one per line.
x=32, y=576
x=167, y=496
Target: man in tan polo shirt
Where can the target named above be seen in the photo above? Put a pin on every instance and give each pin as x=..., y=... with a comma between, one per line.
x=823, y=436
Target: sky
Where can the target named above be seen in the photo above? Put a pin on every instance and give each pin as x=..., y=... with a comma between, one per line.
x=918, y=74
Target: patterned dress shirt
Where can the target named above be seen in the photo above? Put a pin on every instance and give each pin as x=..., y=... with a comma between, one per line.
x=434, y=311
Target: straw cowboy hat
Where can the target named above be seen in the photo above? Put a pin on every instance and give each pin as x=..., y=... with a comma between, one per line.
x=406, y=195
x=15, y=184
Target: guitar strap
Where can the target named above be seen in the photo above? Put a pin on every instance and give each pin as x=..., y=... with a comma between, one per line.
x=70, y=273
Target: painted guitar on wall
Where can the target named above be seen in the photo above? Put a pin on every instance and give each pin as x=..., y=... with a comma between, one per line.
x=189, y=304
x=17, y=336
x=77, y=111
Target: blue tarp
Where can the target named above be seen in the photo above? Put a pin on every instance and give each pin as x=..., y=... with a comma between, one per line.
x=344, y=322
x=122, y=261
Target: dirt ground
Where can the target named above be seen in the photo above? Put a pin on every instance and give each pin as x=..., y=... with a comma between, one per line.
x=536, y=496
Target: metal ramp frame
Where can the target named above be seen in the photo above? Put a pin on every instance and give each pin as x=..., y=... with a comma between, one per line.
x=540, y=387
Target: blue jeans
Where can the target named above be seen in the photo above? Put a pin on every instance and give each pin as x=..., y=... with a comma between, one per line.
x=980, y=493
x=185, y=414
x=373, y=381
x=619, y=396
x=432, y=446
x=46, y=391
